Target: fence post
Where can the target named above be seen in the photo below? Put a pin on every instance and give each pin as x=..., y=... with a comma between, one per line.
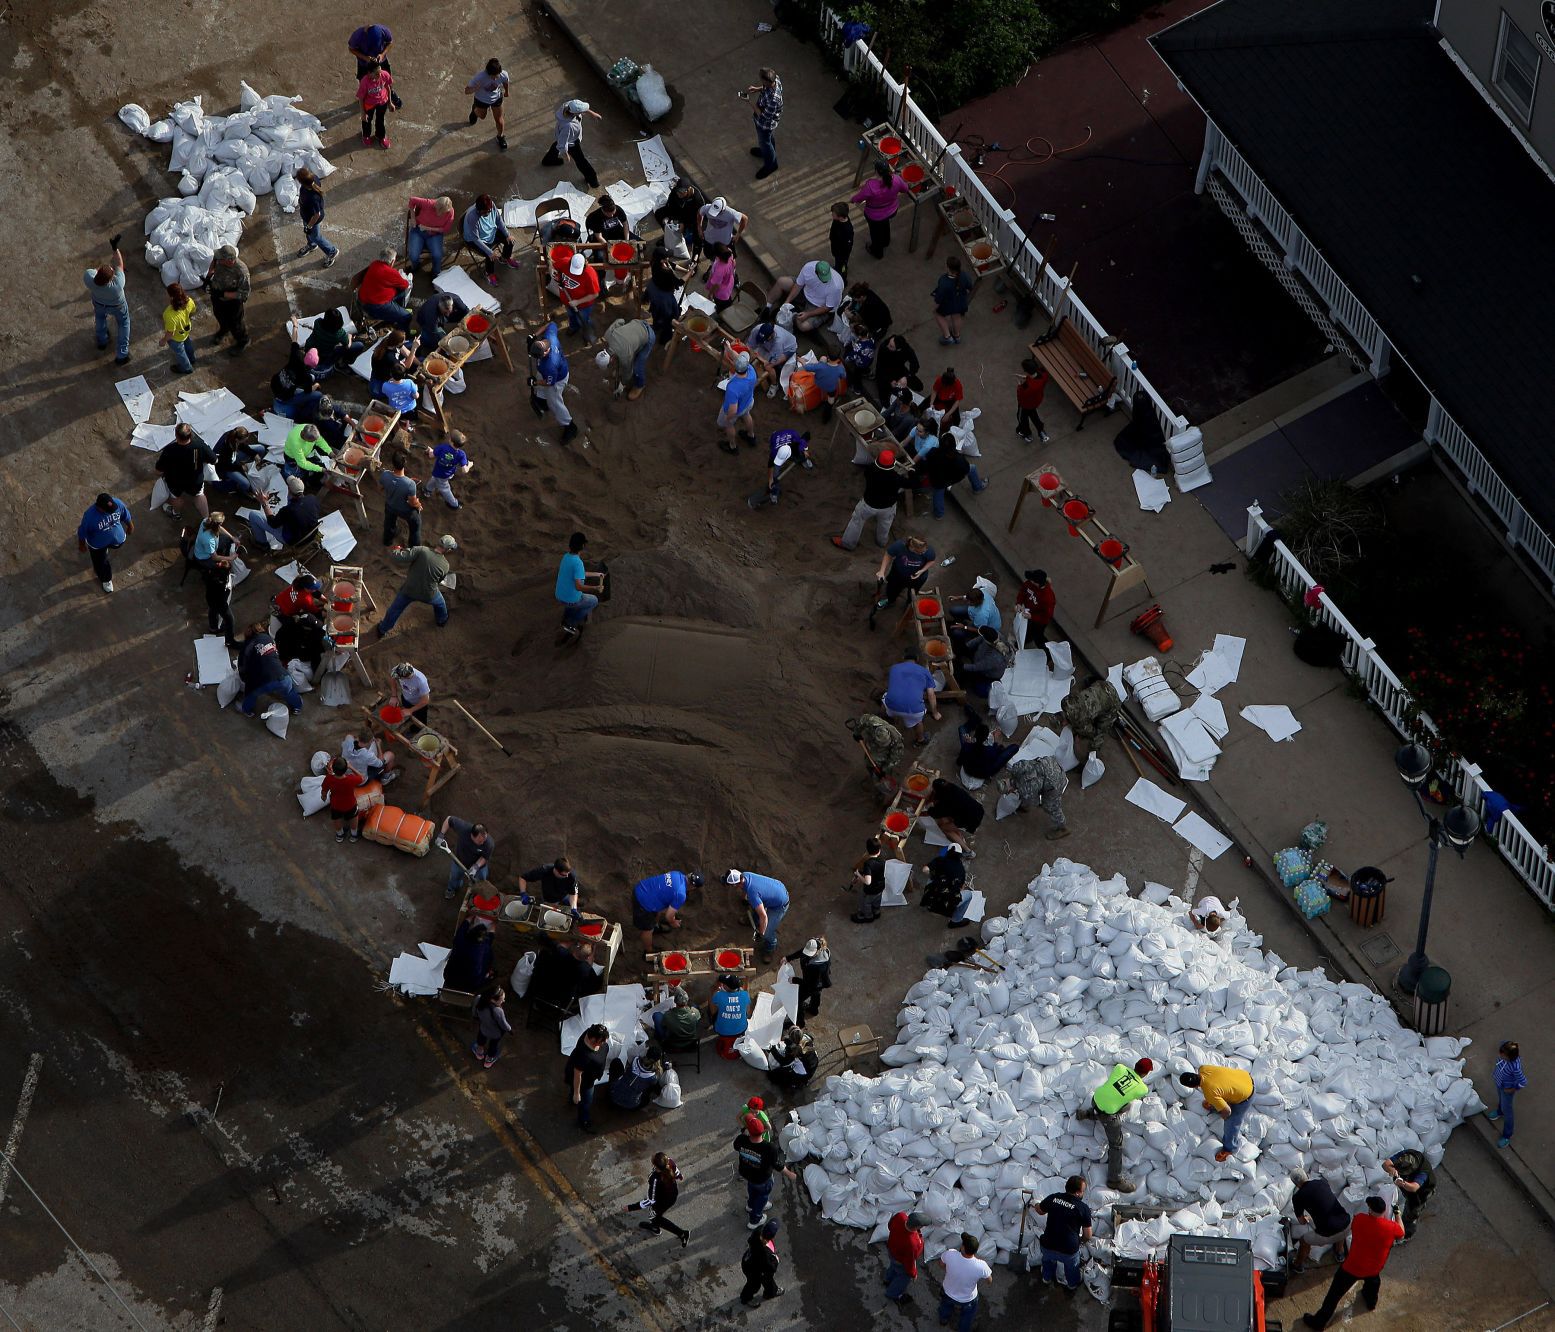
x=1207, y=157
x=1255, y=529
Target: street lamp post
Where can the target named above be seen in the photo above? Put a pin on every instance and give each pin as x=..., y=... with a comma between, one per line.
x=1457, y=829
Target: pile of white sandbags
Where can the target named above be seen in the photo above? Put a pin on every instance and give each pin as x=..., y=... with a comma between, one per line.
x=223, y=164
x=989, y=1069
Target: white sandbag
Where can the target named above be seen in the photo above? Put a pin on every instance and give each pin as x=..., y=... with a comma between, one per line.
x=816, y=1180
x=751, y=1053
x=302, y=675
x=188, y=183
x=160, y=131
x=1008, y=804
x=275, y=718
x=248, y=99
x=287, y=194
x=523, y=972
x=135, y=117
x=651, y=93
x=310, y=795
x=319, y=763
x=232, y=686
x=1094, y=770
x=669, y=1092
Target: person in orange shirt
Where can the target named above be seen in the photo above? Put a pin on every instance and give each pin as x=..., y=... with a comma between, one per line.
x=579, y=287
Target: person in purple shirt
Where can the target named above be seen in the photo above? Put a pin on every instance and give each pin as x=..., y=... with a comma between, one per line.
x=739, y=398
x=880, y=196
x=781, y=449
x=104, y=527
x=656, y=902
x=370, y=45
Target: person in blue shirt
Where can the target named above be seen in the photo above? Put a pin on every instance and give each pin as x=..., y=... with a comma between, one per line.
x=548, y=378
x=448, y=461
x=486, y=233
x=656, y=903
x=739, y=398
x=104, y=528
x=831, y=377
x=729, y=1008
x=977, y=609
x=909, y=693
x=903, y=567
x=576, y=588
x=767, y=899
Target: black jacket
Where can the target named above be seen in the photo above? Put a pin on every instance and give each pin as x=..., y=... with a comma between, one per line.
x=813, y=976
x=882, y=486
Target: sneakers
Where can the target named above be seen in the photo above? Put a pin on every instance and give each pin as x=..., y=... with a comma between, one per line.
x=383, y=142
x=759, y=1221
x=727, y=447
x=633, y=393
x=306, y=249
x=512, y=263
x=107, y=585
x=1222, y=1155
x=356, y=835
x=755, y=152
x=490, y=1060
x=1503, y=1142
x=330, y=262
x=765, y=172
x=477, y=1049
x=1041, y=434
x=685, y=1238
x=491, y=279
x=340, y=834
x=570, y=432
x=502, y=143
x=1023, y=437
x=367, y=141
x=473, y=117
x=1492, y=1115
x=122, y=360
x=448, y=894
x=837, y=541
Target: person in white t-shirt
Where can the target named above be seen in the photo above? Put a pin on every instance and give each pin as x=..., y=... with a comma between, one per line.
x=488, y=90
x=1209, y=915
x=415, y=692
x=815, y=295
x=364, y=755
x=964, y=1271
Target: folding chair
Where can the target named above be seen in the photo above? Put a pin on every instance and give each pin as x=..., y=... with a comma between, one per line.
x=542, y=1013
x=693, y=1047
x=855, y=1041
x=741, y=317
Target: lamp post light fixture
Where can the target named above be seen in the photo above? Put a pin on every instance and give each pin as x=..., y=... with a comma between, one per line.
x=1457, y=828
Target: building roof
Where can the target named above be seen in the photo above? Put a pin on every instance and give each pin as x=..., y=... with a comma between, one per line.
x=1411, y=186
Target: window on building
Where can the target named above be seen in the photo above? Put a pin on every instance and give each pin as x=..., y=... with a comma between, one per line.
x=1517, y=68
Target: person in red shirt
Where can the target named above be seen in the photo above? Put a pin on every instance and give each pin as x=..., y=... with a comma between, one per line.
x=1372, y=1237
x=904, y=1242
x=946, y=391
x=1035, y=603
x=304, y=596
x=1030, y=386
x=339, y=789
x=384, y=290
x=579, y=287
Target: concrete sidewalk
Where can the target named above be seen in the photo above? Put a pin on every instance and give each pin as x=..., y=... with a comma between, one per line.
x=1495, y=938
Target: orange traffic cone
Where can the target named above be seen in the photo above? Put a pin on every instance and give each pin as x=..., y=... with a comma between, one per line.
x=1149, y=624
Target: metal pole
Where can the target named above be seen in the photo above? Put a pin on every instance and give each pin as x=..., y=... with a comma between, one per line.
x=1409, y=974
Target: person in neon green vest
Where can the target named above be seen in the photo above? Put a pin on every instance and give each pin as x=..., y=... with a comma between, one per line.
x=1110, y=1103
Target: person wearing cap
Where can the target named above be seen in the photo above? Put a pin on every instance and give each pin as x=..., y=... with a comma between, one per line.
x=228, y=283
x=883, y=486
x=904, y=1243
x=1035, y=603
x=881, y=196
x=767, y=900
x=472, y=848
x=758, y=1107
x=681, y=1023
x=1110, y=1103
x=295, y=386
x=427, y=225
x=486, y=233
x=401, y=502
x=579, y=290
x=295, y=521
x=757, y=1158
x=739, y=400
x=548, y=374
x=428, y=568
x=719, y=224
x=781, y=448
x=627, y=344
x=569, y=139
x=104, y=527
x=770, y=347
x=364, y=754
x=815, y=294
x=181, y=464
x=557, y=883
x=1372, y=1236
x=814, y=963
x=656, y=903
x=488, y=90
x=106, y=284
x=1227, y=1092
x=577, y=588
x=760, y=1265
x=437, y=317
x=262, y=672
x=1321, y=1221
x=910, y=694
x=384, y=290
x=415, y=692
x=679, y=218
x=765, y=116
x=728, y=1009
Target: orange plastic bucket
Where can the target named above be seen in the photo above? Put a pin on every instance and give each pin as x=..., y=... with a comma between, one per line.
x=561, y=256
x=728, y=959
x=675, y=962
x=477, y=324
x=621, y=252
x=897, y=822
x=982, y=251
x=391, y=715
x=937, y=648
x=913, y=174
x=373, y=427
x=437, y=367
x=891, y=146
x=928, y=608
x=592, y=927
x=918, y=783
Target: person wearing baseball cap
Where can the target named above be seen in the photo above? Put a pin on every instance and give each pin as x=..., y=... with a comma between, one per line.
x=579, y=288
x=739, y=400
x=904, y=1242
x=815, y=295
x=569, y=139
x=767, y=900
x=1110, y=1103
x=760, y=1265
x=883, y=485
x=228, y=283
x=728, y=1007
x=428, y=568
x=656, y=903
x=758, y=1158
x=719, y=224
x=104, y=527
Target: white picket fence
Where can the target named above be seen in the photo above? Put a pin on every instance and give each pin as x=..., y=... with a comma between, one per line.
x=1517, y=845
x=1016, y=249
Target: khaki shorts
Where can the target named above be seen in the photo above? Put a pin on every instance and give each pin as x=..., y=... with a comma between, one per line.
x=1301, y=1231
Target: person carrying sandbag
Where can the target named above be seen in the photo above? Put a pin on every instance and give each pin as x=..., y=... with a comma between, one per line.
x=1110, y=1103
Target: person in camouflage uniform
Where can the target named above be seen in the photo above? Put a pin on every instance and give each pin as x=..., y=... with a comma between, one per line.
x=1041, y=781
x=883, y=744
x=1092, y=712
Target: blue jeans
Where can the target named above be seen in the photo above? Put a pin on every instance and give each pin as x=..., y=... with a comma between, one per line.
x=756, y=1196
x=948, y=1306
x=304, y=406
x=1504, y=1105
x=896, y=1281
x=939, y=503
x=977, y=482
x=264, y=529
x=1233, y=1124
x=1051, y=1262
x=284, y=687
x=586, y=1106
x=391, y=313
x=640, y=363
x=121, y=319
x=316, y=241
x=577, y=612
x=774, y=919
x=183, y=354
x=430, y=242
x=581, y=320
x=767, y=142
x=397, y=608
x=959, y=914
x=456, y=876
x=235, y=482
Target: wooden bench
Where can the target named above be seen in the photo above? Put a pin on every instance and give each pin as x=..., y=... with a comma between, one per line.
x=1076, y=369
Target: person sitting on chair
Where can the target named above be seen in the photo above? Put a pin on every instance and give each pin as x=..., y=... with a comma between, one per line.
x=436, y=318
x=792, y=1063
x=682, y=1024
x=607, y=222
x=384, y=291
x=947, y=880
x=486, y=233
x=633, y=1086
x=469, y=960
x=562, y=976
x=296, y=521
x=334, y=345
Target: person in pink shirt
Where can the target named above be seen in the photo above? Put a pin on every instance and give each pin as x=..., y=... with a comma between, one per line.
x=722, y=276
x=879, y=197
x=373, y=94
x=428, y=225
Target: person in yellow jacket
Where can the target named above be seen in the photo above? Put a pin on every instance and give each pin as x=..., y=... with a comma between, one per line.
x=1229, y=1093
x=1110, y=1103
x=303, y=443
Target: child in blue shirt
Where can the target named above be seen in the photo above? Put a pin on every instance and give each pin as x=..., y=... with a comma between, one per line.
x=448, y=461
x=1509, y=1079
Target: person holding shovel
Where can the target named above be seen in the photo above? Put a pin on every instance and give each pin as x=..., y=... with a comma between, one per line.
x=471, y=852
x=1110, y=1103
x=656, y=903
